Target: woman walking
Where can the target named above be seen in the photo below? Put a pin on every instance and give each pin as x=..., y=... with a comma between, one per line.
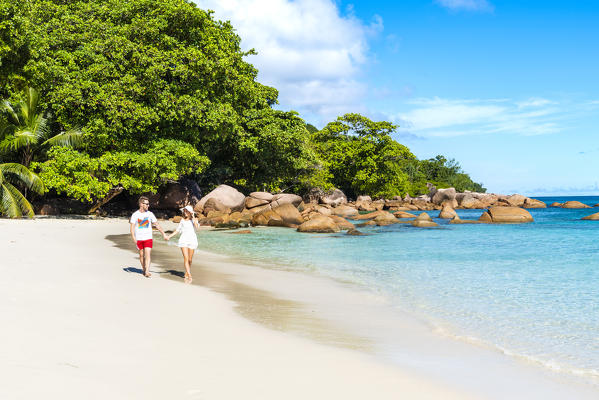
x=188, y=241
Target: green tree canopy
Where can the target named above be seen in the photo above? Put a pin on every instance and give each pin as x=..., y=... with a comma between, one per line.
x=443, y=172
x=362, y=157
x=272, y=152
x=98, y=179
x=138, y=71
x=142, y=76
x=129, y=73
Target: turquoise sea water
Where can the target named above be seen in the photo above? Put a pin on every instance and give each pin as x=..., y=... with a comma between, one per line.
x=530, y=290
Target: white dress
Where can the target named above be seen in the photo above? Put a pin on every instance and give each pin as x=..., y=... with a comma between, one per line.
x=188, y=236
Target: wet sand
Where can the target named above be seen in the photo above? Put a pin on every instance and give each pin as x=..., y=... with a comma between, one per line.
x=344, y=315
x=257, y=305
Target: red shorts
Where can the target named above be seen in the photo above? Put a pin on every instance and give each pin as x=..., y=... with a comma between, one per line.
x=142, y=244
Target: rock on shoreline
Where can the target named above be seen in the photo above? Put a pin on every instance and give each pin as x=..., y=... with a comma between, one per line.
x=226, y=207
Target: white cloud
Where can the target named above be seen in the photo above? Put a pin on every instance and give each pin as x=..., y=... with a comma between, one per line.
x=438, y=117
x=534, y=102
x=306, y=49
x=469, y=5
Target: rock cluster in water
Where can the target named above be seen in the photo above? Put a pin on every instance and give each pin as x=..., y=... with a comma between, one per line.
x=319, y=211
x=330, y=212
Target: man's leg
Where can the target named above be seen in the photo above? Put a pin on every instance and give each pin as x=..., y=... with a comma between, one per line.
x=147, y=260
x=141, y=260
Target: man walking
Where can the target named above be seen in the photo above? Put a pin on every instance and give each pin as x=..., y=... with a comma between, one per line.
x=141, y=223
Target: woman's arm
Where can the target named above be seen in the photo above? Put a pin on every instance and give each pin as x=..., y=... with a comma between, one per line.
x=178, y=230
x=168, y=237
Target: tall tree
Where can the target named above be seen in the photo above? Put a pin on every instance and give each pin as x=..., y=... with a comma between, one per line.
x=362, y=157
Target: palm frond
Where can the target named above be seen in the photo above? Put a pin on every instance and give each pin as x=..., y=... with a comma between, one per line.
x=72, y=137
x=12, y=202
x=17, y=172
x=40, y=127
x=29, y=106
x=6, y=128
x=12, y=116
x=8, y=205
x=17, y=141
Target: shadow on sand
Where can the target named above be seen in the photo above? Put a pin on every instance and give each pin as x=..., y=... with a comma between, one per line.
x=174, y=272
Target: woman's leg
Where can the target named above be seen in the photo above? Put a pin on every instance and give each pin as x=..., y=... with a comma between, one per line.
x=190, y=254
x=184, y=252
x=186, y=263
x=189, y=258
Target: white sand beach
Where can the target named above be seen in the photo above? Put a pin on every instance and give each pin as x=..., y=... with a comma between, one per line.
x=77, y=325
x=80, y=321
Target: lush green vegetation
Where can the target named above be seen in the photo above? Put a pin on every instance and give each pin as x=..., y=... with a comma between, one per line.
x=12, y=202
x=445, y=173
x=99, y=179
x=26, y=130
x=152, y=91
x=362, y=158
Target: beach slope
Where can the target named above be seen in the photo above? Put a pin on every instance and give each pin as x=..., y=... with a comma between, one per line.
x=80, y=321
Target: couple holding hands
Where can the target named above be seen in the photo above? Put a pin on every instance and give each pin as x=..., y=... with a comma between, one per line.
x=141, y=223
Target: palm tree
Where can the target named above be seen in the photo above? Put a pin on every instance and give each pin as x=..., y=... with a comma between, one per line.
x=12, y=202
x=26, y=130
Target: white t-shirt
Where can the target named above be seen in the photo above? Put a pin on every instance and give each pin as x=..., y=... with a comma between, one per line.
x=188, y=232
x=143, y=224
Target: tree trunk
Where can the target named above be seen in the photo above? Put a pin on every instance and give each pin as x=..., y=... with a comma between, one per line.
x=109, y=196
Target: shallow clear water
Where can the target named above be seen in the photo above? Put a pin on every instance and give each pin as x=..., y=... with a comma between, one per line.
x=531, y=290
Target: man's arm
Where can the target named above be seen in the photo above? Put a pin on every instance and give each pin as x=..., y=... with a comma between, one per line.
x=157, y=226
x=132, y=229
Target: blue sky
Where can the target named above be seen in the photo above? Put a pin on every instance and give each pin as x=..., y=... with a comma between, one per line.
x=507, y=88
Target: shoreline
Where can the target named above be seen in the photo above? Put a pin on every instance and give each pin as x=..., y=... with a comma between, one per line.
x=414, y=335
x=314, y=311
x=83, y=323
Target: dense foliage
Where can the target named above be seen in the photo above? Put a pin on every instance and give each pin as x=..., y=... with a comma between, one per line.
x=88, y=178
x=446, y=173
x=134, y=72
x=160, y=90
x=362, y=157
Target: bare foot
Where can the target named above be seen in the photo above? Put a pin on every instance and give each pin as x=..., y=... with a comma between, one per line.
x=147, y=274
x=187, y=278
